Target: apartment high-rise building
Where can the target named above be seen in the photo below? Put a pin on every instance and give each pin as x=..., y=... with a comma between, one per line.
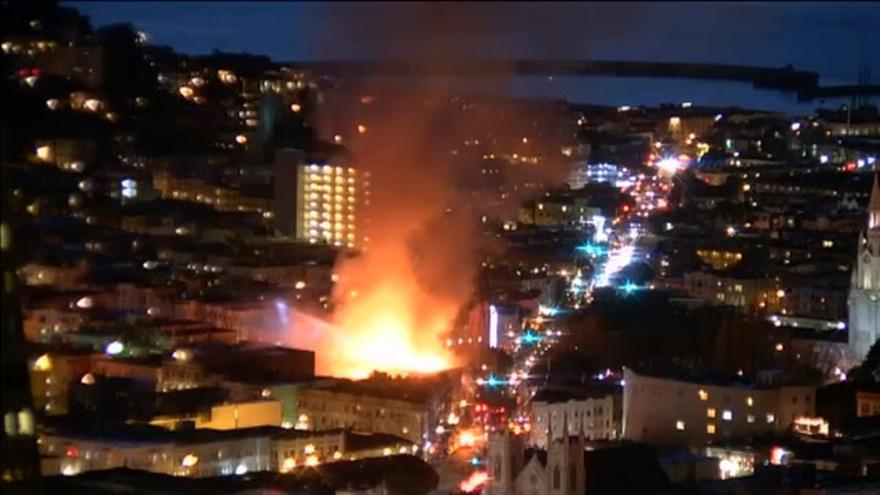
x=319, y=203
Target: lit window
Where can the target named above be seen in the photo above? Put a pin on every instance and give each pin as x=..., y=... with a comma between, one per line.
x=710, y=413
x=679, y=425
x=44, y=153
x=750, y=401
x=750, y=418
x=704, y=396
x=9, y=425
x=727, y=415
x=25, y=422
x=710, y=429
x=771, y=418
x=189, y=460
x=43, y=363
x=5, y=237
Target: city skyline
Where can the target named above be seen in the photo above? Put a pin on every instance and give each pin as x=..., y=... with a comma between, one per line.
x=750, y=33
x=472, y=258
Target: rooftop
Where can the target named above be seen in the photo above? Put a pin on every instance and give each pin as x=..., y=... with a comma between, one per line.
x=320, y=480
x=559, y=394
x=690, y=376
x=134, y=434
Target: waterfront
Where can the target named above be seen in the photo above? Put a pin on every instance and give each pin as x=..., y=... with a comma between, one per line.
x=619, y=91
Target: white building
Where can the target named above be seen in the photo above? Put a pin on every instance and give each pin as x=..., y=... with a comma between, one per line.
x=864, y=294
x=571, y=466
x=597, y=417
x=667, y=411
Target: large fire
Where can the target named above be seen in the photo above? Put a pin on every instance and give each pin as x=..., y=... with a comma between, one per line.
x=377, y=330
x=385, y=317
x=475, y=481
x=395, y=302
x=381, y=330
x=418, y=227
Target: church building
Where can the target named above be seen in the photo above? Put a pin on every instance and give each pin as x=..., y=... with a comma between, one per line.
x=864, y=294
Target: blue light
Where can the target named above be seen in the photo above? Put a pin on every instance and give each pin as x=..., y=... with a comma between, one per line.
x=475, y=461
x=592, y=250
x=493, y=327
x=530, y=338
x=281, y=310
x=629, y=287
x=114, y=348
x=494, y=381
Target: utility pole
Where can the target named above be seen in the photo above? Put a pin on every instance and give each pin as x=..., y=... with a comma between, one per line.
x=864, y=79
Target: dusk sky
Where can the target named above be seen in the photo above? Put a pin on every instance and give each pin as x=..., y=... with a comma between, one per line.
x=831, y=38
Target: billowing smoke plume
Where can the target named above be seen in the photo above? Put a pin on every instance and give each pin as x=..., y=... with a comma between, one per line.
x=438, y=163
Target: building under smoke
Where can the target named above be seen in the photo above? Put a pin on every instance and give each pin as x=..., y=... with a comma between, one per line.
x=319, y=203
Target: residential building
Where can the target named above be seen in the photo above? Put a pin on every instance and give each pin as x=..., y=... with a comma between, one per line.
x=867, y=403
x=664, y=410
x=749, y=292
x=597, y=415
x=325, y=202
x=367, y=476
x=69, y=449
x=210, y=364
x=20, y=463
x=342, y=404
x=51, y=375
x=229, y=416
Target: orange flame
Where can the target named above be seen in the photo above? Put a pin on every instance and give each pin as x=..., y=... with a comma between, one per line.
x=387, y=322
x=384, y=331
x=396, y=324
x=474, y=481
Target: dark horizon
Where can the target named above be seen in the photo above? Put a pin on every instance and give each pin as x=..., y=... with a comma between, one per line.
x=752, y=34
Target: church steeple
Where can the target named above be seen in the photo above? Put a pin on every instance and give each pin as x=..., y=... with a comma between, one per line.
x=864, y=294
x=874, y=205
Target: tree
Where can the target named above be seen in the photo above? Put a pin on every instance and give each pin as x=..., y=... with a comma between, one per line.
x=872, y=360
x=869, y=370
